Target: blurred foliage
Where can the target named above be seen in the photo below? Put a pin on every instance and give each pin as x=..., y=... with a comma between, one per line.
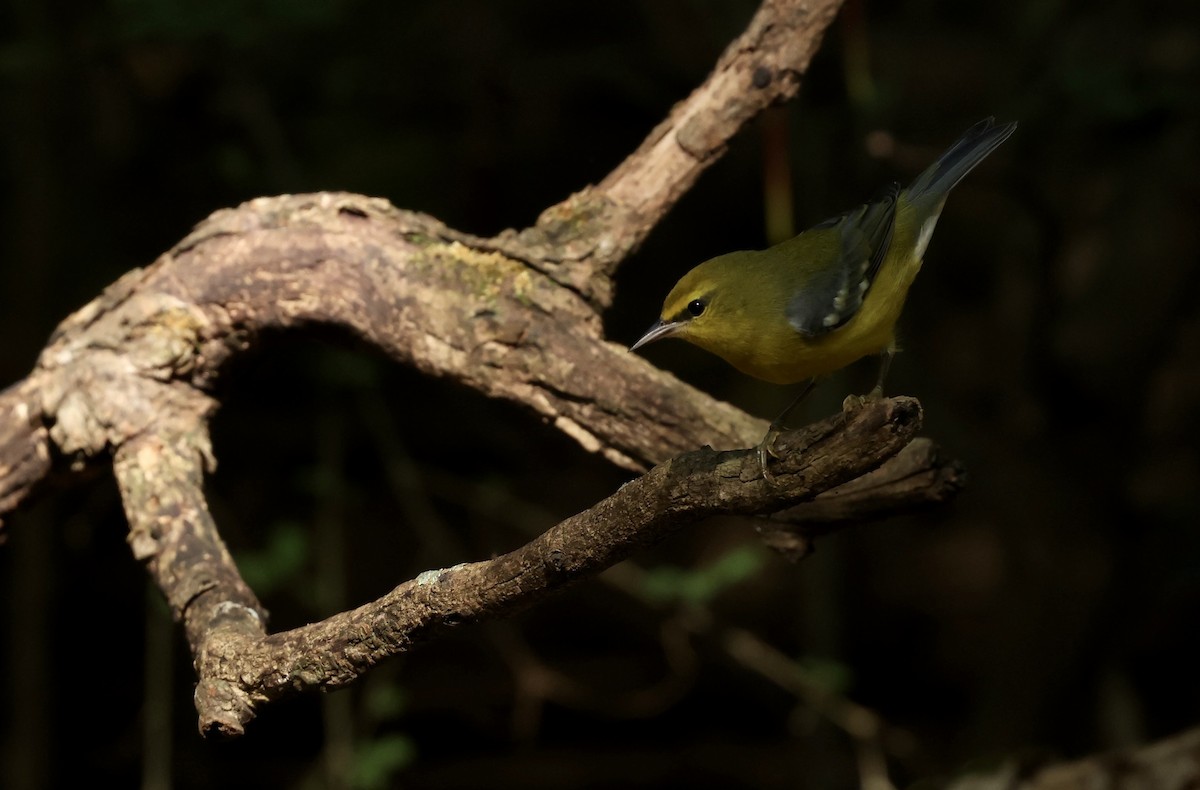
x=378, y=760
x=279, y=562
x=1053, y=338
x=699, y=585
x=831, y=676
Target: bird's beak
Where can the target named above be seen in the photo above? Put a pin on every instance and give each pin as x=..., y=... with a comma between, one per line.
x=660, y=330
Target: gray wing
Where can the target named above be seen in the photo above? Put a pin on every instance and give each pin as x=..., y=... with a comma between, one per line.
x=833, y=297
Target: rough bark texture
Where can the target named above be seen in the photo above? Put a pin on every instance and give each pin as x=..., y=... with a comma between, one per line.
x=581, y=241
x=916, y=477
x=127, y=380
x=24, y=445
x=241, y=667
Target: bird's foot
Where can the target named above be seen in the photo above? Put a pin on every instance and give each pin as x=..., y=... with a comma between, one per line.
x=766, y=451
x=853, y=402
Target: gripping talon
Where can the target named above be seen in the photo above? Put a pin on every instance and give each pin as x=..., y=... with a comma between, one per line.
x=767, y=446
x=766, y=451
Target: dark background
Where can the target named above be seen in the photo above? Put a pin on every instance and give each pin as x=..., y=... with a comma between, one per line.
x=1053, y=338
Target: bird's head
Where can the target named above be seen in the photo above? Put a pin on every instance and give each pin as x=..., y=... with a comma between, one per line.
x=703, y=308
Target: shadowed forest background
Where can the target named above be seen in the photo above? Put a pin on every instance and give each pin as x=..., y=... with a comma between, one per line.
x=1053, y=338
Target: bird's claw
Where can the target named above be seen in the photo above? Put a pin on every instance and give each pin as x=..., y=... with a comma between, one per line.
x=853, y=402
x=766, y=451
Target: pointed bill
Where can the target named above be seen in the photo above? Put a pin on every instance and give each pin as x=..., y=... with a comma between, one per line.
x=660, y=330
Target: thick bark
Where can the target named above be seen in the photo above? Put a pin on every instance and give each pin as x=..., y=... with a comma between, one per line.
x=241, y=667
x=127, y=380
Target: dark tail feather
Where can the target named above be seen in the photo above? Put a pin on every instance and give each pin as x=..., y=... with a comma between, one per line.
x=958, y=160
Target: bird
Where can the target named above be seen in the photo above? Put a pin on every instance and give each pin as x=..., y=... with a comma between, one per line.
x=827, y=297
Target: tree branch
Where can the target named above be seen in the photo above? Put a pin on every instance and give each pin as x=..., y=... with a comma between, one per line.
x=24, y=446
x=580, y=242
x=240, y=667
x=427, y=295
x=919, y=476
x=127, y=379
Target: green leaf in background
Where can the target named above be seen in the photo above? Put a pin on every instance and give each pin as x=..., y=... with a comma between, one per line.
x=377, y=760
x=829, y=674
x=280, y=560
x=700, y=585
x=384, y=701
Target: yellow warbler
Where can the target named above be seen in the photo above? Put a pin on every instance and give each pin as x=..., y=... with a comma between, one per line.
x=827, y=297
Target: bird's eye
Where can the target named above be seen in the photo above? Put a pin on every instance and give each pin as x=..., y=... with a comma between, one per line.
x=696, y=307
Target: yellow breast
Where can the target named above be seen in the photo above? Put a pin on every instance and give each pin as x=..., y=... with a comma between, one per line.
x=759, y=341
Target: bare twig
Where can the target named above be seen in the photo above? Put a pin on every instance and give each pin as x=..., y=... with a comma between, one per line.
x=1170, y=764
x=581, y=241
x=862, y=724
x=918, y=477
x=241, y=668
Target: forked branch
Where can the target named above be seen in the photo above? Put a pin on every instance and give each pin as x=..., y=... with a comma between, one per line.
x=241, y=667
x=127, y=380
